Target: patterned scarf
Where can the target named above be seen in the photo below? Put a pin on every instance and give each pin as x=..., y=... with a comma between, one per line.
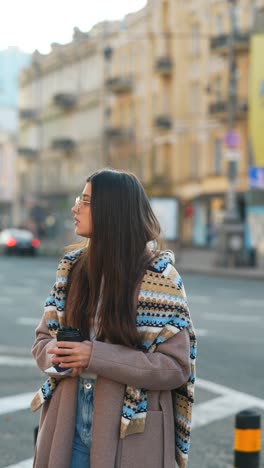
x=162, y=312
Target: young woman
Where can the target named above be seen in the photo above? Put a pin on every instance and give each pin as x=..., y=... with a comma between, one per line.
x=127, y=401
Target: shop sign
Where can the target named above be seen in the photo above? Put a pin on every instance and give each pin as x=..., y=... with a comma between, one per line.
x=256, y=177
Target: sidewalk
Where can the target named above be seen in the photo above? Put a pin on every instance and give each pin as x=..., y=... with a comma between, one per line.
x=201, y=261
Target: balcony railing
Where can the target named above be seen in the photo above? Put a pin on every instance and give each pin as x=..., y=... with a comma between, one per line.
x=27, y=152
x=64, y=144
x=120, y=84
x=163, y=122
x=27, y=114
x=119, y=132
x=220, y=108
x=65, y=101
x=221, y=43
x=164, y=65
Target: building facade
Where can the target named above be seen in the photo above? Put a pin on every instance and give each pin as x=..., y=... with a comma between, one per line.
x=155, y=101
x=61, y=127
x=171, y=106
x=7, y=179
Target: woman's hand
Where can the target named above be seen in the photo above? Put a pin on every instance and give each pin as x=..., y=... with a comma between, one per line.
x=77, y=355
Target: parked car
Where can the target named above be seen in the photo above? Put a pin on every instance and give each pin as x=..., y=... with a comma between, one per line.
x=18, y=241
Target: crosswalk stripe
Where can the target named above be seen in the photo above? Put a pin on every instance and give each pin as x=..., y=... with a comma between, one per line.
x=201, y=332
x=15, y=361
x=200, y=299
x=23, y=464
x=227, y=403
x=15, y=403
x=14, y=349
x=218, y=408
x=31, y=321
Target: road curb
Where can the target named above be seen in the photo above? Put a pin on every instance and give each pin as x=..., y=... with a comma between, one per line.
x=58, y=253
x=223, y=272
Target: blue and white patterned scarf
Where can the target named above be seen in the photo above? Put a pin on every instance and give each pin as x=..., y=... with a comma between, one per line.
x=162, y=312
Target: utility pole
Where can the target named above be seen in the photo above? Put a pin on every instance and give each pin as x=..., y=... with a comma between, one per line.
x=231, y=235
x=231, y=208
x=107, y=52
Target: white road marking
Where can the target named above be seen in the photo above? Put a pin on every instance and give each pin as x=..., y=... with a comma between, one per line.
x=217, y=409
x=14, y=361
x=15, y=403
x=229, y=392
x=22, y=401
x=32, y=321
x=251, y=303
x=23, y=464
x=240, y=302
x=201, y=332
x=200, y=299
x=14, y=349
x=213, y=387
x=227, y=403
x=220, y=317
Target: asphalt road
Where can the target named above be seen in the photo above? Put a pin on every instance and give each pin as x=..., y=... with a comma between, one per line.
x=228, y=315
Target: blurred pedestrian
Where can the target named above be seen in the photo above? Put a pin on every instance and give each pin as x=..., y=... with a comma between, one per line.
x=127, y=401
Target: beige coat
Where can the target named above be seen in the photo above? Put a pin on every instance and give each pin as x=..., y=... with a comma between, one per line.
x=115, y=366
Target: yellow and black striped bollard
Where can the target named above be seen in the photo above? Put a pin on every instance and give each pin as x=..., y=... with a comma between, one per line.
x=247, y=443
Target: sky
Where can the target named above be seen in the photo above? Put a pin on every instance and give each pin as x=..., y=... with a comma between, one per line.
x=35, y=24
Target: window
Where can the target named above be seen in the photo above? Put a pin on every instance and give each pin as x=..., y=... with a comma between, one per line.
x=195, y=98
x=155, y=104
x=219, y=28
x=237, y=17
x=218, y=88
x=195, y=39
x=217, y=156
x=1, y=158
x=194, y=160
x=165, y=15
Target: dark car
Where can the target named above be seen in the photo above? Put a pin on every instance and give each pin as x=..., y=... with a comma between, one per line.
x=17, y=241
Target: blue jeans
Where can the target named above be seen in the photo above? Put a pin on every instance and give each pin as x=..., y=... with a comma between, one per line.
x=83, y=424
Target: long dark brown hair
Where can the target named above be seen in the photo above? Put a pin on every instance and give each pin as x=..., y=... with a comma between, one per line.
x=115, y=260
